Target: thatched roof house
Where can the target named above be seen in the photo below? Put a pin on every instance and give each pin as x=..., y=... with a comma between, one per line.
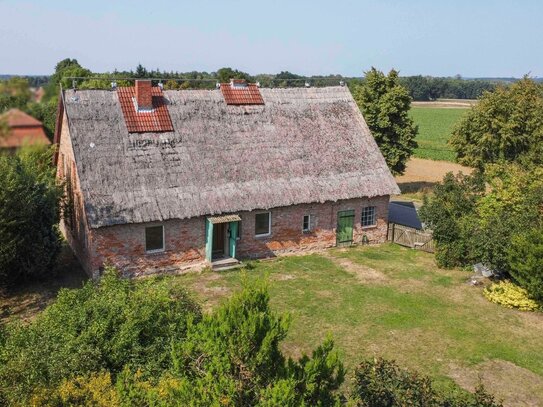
x=185, y=154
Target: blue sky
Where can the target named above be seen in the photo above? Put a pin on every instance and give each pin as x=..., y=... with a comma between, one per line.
x=471, y=38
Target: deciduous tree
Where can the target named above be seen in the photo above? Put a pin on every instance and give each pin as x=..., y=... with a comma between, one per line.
x=385, y=104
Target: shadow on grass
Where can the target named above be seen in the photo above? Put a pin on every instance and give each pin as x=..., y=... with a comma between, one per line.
x=25, y=300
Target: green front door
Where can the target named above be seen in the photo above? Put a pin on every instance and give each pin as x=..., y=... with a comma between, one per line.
x=233, y=238
x=345, y=224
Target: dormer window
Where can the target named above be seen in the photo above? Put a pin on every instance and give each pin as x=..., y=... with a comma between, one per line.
x=240, y=93
x=238, y=83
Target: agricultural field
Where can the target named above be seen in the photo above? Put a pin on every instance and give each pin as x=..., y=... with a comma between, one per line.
x=435, y=123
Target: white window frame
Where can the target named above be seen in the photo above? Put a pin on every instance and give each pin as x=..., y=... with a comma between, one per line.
x=308, y=223
x=269, y=224
x=374, y=224
x=163, y=239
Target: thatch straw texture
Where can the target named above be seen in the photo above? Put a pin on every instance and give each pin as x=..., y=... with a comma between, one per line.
x=302, y=146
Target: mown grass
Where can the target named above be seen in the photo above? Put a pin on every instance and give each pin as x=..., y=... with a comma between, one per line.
x=435, y=126
x=424, y=317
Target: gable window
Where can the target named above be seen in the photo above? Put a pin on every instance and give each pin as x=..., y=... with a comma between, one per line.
x=154, y=239
x=368, y=216
x=306, y=224
x=263, y=224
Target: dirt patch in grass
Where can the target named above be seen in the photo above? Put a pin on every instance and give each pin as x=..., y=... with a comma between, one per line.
x=282, y=277
x=363, y=274
x=515, y=385
x=447, y=103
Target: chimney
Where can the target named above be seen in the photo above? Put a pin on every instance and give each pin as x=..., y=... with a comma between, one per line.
x=144, y=97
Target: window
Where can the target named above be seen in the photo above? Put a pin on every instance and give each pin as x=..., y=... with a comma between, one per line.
x=306, y=224
x=368, y=216
x=154, y=239
x=263, y=224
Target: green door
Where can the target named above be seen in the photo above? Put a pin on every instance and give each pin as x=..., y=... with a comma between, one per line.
x=209, y=239
x=233, y=238
x=344, y=231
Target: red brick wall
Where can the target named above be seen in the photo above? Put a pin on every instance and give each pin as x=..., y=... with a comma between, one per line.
x=124, y=245
x=287, y=236
x=144, y=96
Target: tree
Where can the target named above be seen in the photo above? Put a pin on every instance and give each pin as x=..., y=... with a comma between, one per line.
x=505, y=125
x=64, y=69
x=29, y=215
x=225, y=74
x=449, y=214
x=474, y=217
x=526, y=261
x=14, y=93
x=385, y=105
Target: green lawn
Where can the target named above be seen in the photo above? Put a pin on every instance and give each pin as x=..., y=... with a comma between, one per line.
x=394, y=302
x=435, y=125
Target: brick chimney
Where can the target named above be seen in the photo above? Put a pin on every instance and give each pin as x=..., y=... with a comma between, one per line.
x=144, y=97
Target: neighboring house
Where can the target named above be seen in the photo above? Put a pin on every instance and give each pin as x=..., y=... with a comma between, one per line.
x=163, y=180
x=22, y=129
x=404, y=213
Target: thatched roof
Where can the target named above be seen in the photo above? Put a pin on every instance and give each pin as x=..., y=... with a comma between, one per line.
x=303, y=145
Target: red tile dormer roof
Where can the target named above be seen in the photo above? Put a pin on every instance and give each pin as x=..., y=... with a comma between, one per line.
x=239, y=92
x=155, y=120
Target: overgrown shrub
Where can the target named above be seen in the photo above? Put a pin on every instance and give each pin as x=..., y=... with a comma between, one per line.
x=510, y=295
x=29, y=215
x=382, y=383
x=474, y=217
x=102, y=326
x=525, y=256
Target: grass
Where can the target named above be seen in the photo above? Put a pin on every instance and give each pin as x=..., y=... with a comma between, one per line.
x=392, y=302
x=435, y=126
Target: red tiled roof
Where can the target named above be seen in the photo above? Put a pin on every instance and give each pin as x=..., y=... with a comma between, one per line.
x=22, y=129
x=152, y=121
x=19, y=136
x=248, y=95
x=18, y=118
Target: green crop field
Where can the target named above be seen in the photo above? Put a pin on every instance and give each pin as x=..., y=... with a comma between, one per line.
x=435, y=126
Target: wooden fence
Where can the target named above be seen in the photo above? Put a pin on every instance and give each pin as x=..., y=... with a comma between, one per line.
x=410, y=237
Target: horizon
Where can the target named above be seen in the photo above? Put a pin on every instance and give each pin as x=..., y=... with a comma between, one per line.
x=483, y=40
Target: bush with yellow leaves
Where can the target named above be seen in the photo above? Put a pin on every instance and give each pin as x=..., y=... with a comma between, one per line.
x=510, y=295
